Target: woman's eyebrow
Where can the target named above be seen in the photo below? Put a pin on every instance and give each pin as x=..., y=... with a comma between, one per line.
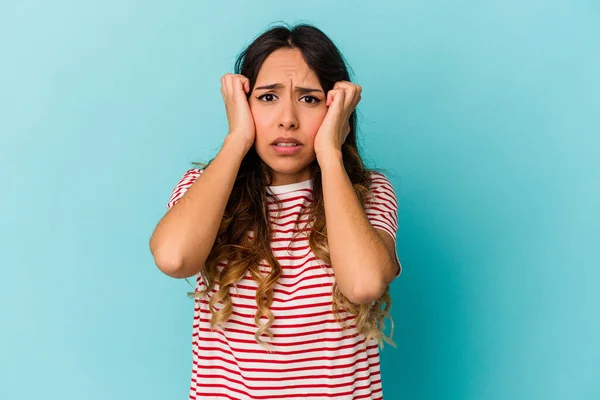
x=280, y=86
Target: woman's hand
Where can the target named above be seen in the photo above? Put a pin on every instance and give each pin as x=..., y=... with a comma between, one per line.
x=341, y=100
x=241, y=124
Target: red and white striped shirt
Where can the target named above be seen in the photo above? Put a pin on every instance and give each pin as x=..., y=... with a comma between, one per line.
x=311, y=357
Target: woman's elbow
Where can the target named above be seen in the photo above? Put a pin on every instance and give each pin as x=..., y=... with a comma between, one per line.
x=168, y=261
x=168, y=265
x=365, y=294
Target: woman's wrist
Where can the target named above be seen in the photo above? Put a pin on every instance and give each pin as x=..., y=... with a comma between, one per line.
x=236, y=145
x=326, y=158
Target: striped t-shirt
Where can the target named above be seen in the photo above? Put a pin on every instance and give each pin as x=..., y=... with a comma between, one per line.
x=311, y=357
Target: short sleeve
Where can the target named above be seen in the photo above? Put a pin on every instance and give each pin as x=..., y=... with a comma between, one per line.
x=183, y=185
x=382, y=208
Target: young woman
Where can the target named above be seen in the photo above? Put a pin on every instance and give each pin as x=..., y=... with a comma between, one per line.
x=292, y=240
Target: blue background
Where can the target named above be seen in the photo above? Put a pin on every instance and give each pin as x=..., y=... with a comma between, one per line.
x=485, y=114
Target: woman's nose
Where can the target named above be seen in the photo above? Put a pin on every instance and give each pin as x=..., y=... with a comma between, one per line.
x=288, y=119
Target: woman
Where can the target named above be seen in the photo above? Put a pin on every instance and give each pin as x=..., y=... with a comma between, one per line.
x=292, y=239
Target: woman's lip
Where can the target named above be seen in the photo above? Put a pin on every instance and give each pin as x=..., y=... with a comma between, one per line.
x=286, y=149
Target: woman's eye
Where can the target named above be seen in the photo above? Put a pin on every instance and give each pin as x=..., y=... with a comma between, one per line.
x=310, y=99
x=267, y=97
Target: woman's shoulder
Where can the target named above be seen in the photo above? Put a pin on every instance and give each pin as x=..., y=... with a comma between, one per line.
x=191, y=175
x=379, y=178
x=194, y=171
x=188, y=178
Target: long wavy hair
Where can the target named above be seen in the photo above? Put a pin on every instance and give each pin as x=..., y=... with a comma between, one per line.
x=247, y=208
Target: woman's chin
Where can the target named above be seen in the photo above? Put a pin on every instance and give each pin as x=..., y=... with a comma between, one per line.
x=289, y=168
x=287, y=164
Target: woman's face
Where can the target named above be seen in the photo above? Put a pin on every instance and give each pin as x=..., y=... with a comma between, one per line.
x=287, y=102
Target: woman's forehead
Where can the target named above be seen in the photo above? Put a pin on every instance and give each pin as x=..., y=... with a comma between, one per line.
x=285, y=67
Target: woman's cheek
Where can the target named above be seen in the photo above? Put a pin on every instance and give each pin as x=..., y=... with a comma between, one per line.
x=314, y=127
x=260, y=124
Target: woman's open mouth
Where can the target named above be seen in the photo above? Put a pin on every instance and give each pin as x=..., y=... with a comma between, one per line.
x=286, y=146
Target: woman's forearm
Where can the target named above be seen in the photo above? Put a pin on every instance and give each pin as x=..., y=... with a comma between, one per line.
x=359, y=257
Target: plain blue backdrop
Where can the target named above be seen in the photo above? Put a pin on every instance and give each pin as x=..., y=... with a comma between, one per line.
x=486, y=115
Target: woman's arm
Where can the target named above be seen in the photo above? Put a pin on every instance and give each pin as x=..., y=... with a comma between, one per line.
x=186, y=234
x=184, y=237
x=363, y=258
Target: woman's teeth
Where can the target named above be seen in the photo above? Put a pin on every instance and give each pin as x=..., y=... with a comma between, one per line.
x=286, y=144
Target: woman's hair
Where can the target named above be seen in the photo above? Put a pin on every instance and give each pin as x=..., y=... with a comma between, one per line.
x=247, y=208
